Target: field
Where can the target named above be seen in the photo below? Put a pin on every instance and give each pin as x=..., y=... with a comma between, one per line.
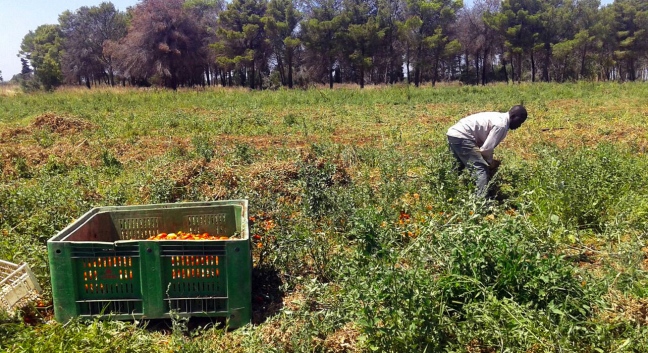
x=364, y=239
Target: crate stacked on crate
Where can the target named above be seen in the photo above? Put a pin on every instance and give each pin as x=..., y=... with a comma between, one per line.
x=18, y=285
x=105, y=263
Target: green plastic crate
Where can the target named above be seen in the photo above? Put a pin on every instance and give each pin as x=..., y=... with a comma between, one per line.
x=102, y=264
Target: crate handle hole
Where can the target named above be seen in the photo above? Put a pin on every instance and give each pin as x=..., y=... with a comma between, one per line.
x=58, y=251
x=149, y=250
x=237, y=249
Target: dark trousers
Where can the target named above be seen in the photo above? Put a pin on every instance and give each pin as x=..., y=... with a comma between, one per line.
x=468, y=156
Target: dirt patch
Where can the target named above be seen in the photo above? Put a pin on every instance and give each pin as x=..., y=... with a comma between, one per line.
x=343, y=340
x=60, y=124
x=146, y=148
x=274, y=177
x=477, y=346
x=275, y=332
x=20, y=160
x=644, y=263
x=344, y=138
x=261, y=142
x=581, y=136
x=624, y=308
x=36, y=156
x=281, y=334
x=613, y=134
x=13, y=133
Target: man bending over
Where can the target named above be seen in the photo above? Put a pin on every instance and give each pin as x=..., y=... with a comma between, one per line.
x=473, y=139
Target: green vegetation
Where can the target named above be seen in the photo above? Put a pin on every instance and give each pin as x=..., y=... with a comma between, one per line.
x=364, y=238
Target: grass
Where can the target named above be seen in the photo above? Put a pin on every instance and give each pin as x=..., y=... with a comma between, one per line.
x=366, y=239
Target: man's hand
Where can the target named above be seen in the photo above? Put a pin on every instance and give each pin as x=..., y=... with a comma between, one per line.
x=494, y=165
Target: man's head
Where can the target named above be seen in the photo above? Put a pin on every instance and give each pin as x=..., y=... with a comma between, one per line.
x=517, y=115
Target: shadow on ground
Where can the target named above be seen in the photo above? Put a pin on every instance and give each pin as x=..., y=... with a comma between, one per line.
x=267, y=296
x=267, y=300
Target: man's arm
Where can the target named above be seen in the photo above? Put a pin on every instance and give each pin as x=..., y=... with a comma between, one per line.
x=495, y=136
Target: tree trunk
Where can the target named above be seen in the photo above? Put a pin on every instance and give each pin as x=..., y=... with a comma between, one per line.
x=243, y=75
x=519, y=73
x=608, y=73
x=281, y=69
x=632, y=72
x=533, y=68
x=477, y=68
x=391, y=67
x=547, y=60
x=435, y=73
x=111, y=76
x=290, y=70
x=174, y=80
x=417, y=67
x=512, y=71
x=483, y=75
x=582, y=69
x=252, y=80
x=362, y=69
x=330, y=68
x=407, y=60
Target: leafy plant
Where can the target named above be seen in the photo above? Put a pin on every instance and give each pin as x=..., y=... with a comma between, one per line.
x=584, y=187
x=22, y=168
x=244, y=153
x=111, y=162
x=203, y=147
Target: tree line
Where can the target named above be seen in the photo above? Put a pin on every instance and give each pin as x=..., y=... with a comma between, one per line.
x=274, y=43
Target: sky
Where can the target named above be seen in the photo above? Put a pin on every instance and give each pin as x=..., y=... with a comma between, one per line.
x=18, y=17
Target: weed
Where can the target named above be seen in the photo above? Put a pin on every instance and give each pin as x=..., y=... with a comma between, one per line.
x=111, y=163
x=164, y=190
x=44, y=138
x=54, y=166
x=22, y=168
x=290, y=120
x=244, y=153
x=584, y=187
x=321, y=180
x=178, y=151
x=203, y=147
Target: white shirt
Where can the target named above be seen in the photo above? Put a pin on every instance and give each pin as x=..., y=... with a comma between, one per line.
x=487, y=130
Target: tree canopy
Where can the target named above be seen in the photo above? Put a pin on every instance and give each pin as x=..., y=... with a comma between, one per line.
x=273, y=43
x=87, y=31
